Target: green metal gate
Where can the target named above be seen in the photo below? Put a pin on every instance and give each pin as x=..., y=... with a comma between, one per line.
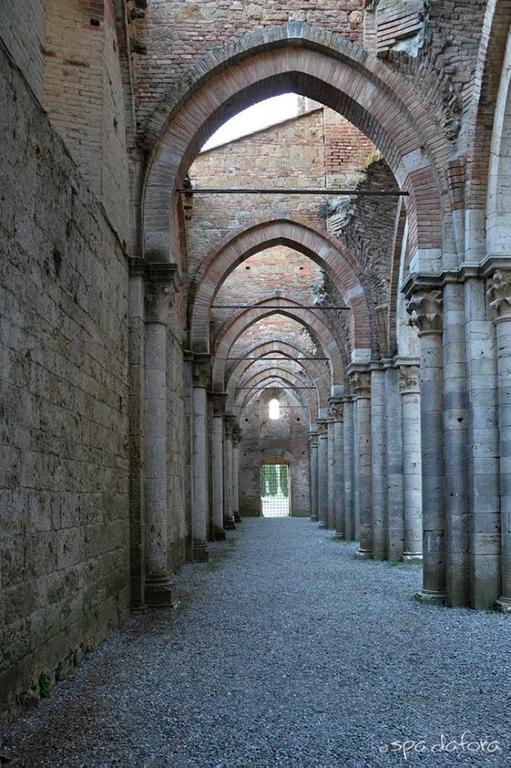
x=275, y=490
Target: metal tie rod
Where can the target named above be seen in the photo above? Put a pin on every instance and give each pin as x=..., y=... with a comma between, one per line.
x=263, y=389
x=277, y=306
x=282, y=359
x=295, y=191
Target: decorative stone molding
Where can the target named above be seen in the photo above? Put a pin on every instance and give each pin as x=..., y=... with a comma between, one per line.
x=313, y=439
x=201, y=369
x=236, y=434
x=425, y=310
x=322, y=427
x=335, y=408
x=162, y=282
x=361, y=383
x=499, y=293
x=219, y=400
x=409, y=379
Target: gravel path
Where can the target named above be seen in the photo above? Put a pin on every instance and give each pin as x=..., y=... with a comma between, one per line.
x=285, y=651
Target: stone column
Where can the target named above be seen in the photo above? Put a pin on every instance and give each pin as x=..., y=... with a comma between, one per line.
x=236, y=437
x=425, y=308
x=336, y=413
x=217, y=453
x=322, y=473
x=201, y=375
x=162, y=280
x=499, y=293
x=331, y=473
x=412, y=462
x=394, y=524
x=362, y=388
x=483, y=445
x=313, y=442
x=349, y=511
x=378, y=451
x=229, y=421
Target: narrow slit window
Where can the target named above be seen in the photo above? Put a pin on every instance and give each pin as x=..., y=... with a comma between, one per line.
x=274, y=409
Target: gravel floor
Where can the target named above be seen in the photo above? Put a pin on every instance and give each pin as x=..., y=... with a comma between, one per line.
x=285, y=651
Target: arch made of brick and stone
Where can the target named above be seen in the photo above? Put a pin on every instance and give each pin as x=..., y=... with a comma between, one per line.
x=289, y=353
x=330, y=69
x=320, y=247
x=310, y=395
x=306, y=400
x=240, y=322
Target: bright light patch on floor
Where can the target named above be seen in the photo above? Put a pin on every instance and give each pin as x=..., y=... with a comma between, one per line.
x=255, y=118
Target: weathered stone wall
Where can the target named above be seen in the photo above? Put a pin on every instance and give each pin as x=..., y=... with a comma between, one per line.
x=262, y=438
x=64, y=407
x=23, y=33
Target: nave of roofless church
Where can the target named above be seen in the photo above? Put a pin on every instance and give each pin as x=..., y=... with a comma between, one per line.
x=255, y=276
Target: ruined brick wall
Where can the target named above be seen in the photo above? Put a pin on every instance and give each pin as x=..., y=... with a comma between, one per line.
x=63, y=407
x=83, y=93
x=263, y=437
x=22, y=30
x=175, y=35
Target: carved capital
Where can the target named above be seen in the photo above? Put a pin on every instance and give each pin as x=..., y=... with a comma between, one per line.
x=408, y=379
x=425, y=310
x=499, y=293
x=218, y=399
x=162, y=282
x=229, y=421
x=322, y=427
x=361, y=383
x=236, y=434
x=335, y=408
x=201, y=369
x=313, y=439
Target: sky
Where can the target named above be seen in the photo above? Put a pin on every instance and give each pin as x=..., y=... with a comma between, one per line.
x=261, y=115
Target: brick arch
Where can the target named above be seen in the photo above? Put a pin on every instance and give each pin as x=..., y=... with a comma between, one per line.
x=244, y=319
x=290, y=352
x=320, y=247
x=297, y=57
x=308, y=402
x=275, y=371
x=482, y=133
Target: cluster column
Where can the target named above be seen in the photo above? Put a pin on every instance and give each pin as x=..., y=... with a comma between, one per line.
x=200, y=506
x=412, y=462
x=331, y=472
x=336, y=413
x=229, y=422
x=499, y=293
x=162, y=282
x=313, y=442
x=217, y=455
x=350, y=530
x=378, y=482
x=322, y=472
x=362, y=388
x=236, y=438
x=394, y=522
x=425, y=308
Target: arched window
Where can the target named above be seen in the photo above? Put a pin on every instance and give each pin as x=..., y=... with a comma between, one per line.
x=274, y=409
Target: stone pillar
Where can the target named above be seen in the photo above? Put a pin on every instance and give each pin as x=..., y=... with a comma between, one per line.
x=483, y=445
x=455, y=445
x=378, y=451
x=336, y=413
x=236, y=437
x=331, y=473
x=412, y=462
x=362, y=389
x=322, y=473
x=394, y=524
x=425, y=308
x=229, y=421
x=499, y=293
x=201, y=375
x=313, y=442
x=162, y=280
x=217, y=454
x=349, y=510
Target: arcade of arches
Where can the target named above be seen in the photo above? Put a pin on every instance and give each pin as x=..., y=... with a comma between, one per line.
x=146, y=328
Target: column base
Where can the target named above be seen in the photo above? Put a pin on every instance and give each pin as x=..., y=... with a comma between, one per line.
x=237, y=517
x=340, y=536
x=158, y=591
x=218, y=534
x=411, y=557
x=314, y=519
x=230, y=525
x=503, y=605
x=430, y=598
x=200, y=552
x=322, y=524
x=364, y=554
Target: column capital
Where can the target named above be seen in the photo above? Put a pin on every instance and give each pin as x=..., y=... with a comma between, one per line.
x=201, y=369
x=313, y=439
x=162, y=282
x=322, y=427
x=236, y=434
x=361, y=383
x=229, y=421
x=335, y=407
x=425, y=310
x=499, y=293
x=219, y=400
x=409, y=379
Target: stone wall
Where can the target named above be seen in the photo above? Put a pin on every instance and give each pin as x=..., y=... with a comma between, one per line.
x=22, y=30
x=63, y=404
